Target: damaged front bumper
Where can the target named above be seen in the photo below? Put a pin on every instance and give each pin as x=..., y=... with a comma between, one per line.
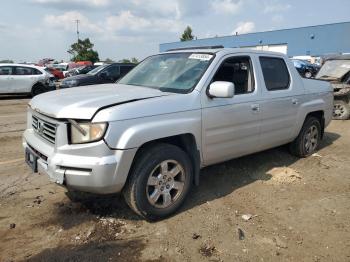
x=92, y=167
x=341, y=89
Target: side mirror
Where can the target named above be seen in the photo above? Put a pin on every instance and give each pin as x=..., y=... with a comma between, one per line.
x=221, y=89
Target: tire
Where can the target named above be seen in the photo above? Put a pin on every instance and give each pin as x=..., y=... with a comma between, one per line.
x=308, y=74
x=154, y=194
x=341, y=110
x=308, y=139
x=37, y=90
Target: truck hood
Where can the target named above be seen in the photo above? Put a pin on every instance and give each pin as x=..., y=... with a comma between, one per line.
x=84, y=102
x=334, y=70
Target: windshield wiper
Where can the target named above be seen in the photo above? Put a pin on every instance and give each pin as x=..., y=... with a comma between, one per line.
x=173, y=90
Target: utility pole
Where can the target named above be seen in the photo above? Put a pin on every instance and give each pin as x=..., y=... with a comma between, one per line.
x=77, y=21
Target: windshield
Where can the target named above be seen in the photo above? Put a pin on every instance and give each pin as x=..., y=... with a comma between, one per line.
x=300, y=63
x=177, y=72
x=334, y=69
x=60, y=67
x=97, y=70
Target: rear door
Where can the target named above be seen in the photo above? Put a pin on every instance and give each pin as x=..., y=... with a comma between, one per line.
x=24, y=79
x=280, y=101
x=6, y=79
x=230, y=126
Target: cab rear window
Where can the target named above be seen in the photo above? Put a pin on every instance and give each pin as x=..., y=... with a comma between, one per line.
x=276, y=74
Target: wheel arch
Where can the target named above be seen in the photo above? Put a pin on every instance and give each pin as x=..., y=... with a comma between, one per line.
x=36, y=84
x=319, y=114
x=321, y=108
x=186, y=142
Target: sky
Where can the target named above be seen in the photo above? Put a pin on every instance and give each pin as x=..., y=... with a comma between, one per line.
x=34, y=29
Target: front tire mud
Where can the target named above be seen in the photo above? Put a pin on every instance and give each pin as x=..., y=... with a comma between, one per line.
x=159, y=181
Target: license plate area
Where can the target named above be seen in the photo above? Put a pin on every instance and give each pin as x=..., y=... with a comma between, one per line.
x=31, y=159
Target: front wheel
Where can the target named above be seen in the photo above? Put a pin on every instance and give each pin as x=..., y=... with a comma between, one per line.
x=308, y=139
x=159, y=181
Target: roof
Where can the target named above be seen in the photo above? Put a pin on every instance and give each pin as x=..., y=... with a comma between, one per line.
x=113, y=63
x=225, y=51
x=337, y=57
x=195, y=50
x=23, y=65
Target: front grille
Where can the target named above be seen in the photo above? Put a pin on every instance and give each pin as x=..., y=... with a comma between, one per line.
x=44, y=129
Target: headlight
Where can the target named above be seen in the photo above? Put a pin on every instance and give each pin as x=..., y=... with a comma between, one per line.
x=86, y=132
x=70, y=83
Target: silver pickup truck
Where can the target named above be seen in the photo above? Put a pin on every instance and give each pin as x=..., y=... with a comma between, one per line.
x=149, y=135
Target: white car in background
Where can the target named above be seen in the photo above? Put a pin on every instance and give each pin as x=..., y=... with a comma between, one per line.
x=25, y=79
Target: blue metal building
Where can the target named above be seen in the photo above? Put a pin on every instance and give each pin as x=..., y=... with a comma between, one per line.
x=311, y=40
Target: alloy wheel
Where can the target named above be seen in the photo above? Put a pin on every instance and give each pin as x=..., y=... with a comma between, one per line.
x=311, y=139
x=165, y=183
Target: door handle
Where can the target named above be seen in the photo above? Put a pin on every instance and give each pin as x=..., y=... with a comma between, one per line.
x=255, y=108
x=295, y=101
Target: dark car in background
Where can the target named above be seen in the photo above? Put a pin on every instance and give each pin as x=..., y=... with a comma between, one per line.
x=108, y=73
x=80, y=70
x=305, y=68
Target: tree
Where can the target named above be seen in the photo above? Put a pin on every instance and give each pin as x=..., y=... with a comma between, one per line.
x=187, y=34
x=108, y=60
x=82, y=51
x=133, y=60
x=125, y=60
x=6, y=61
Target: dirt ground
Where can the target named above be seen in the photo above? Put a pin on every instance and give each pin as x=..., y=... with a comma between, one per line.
x=293, y=209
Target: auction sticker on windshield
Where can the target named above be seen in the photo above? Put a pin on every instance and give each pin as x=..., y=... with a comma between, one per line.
x=203, y=57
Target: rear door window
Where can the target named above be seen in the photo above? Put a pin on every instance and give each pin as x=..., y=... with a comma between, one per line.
x=36, y=72
x=24, y=71
x=276, y=74
x=113, y=71
x=125, y=69
x=6, y=70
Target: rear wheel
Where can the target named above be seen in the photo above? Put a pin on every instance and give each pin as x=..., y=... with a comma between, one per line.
x=341, y=110
x=159, y=181
x=37, y=90
x=308, y=139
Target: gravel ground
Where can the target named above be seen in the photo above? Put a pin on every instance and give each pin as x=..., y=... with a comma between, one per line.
x=268, y=206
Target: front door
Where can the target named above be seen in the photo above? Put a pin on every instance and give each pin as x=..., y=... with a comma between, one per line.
x=6, y=79
x=231, y=126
